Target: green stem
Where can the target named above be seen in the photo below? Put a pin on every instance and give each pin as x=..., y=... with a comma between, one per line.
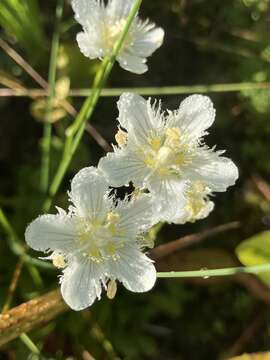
x=215, y=272
x=76, y=130
x=29, y=343
x=147, y=91
x=47, y=132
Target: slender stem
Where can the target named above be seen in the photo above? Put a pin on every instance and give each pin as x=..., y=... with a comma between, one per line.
x=76, y=130
x=47, y=132
x=29, y=343
x=13, y=285
x=147, y=91
x=215, y=272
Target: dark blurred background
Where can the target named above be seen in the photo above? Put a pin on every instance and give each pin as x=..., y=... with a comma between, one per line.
x=207, y=42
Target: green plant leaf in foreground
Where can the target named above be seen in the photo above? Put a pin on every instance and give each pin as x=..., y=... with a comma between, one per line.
x=256, y=251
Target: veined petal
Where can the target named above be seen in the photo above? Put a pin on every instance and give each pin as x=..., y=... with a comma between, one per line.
x=88, y=192
x=119, y=9
x=196, y=114
x=81, y=283
x=87, y=11
x=138, y=116
x=88, y=44
x=134, y=269
x=51, y=232
x=122, y=167
x=148, y=42
x=137, y=215
x=216, y=171
x=170, y=195
x=132, y=62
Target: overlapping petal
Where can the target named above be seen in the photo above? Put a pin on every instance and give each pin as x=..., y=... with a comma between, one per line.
x=122, y=167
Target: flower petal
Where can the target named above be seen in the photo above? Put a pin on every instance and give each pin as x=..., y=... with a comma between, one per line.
x=148, y=42
x=51, y=232
x=123, y=166
x=86, y=10
x=88, y=192
x=81, y=283
x=196, y=114
x=134, y=269
x=132, y=62
x=119, y=9
x=216, y=171
x=138, y=117
x=88, y=44
x=170, y=195
x=137, y=215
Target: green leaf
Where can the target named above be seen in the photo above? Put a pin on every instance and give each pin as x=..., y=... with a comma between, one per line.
x=256, y=251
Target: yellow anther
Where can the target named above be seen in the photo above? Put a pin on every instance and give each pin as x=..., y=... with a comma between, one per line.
x=59, y=261
x=110, y=249
x=111, y=289
x=149, y=161
x=95, y=254
x=113, y=217
x=155, y=143
x=121, y=137
x=173, y=136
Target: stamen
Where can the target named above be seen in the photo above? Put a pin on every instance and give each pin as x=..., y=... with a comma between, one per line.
x=121, y=137
x=59, y=261
x=111, y=289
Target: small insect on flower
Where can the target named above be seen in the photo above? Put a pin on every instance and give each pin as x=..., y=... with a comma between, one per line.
x=97, y=241
x=102, y=28
x=165, y=154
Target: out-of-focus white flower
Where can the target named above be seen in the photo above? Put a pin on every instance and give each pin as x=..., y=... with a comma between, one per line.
x=198, y=205
x=165, y=154
x=97, y=242
x=102, y=26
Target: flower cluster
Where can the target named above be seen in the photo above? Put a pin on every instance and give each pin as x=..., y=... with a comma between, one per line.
x=99, y=240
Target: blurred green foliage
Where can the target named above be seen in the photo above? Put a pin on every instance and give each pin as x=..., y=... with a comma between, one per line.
x=206, y=42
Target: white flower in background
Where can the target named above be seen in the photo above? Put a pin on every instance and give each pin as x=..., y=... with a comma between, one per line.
x=198, y=206
x=102, y=28
x=165, y=154
x=97, y=242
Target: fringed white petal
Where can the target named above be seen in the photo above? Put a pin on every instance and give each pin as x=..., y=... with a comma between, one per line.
x=196, y=114
x=216, y=171
x=88, y=193
x=51, y=232
x=81, y=283
x=122, y=167
x=134, y=269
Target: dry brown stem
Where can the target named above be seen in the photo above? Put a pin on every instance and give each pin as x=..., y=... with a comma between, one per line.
x=29, y=315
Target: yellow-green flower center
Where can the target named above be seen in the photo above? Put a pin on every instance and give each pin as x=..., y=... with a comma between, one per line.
x=166, y=153
x=96, y=237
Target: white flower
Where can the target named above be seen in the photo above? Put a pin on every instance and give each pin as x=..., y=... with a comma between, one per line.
x=165, y=154
x=96, y=242
x=198, y=205
x=102, y=28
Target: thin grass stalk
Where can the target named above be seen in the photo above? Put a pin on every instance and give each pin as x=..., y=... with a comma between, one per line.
x=147, y=91
x=216, y=272
x=47, y=131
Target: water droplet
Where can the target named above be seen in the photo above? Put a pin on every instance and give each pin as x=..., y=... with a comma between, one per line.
x=206, y=276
